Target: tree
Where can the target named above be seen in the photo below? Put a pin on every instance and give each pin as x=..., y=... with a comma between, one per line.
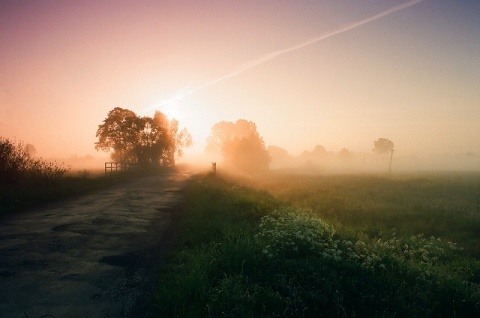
x=318, y=153
x=30, y=149
x=240, y=145
x=142, y=140
x=119, y=134
x=384, y=146
x=174, y=141
x=280, y=157
x=345, y=154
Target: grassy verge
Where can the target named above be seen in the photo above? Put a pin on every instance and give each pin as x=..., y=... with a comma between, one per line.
x=243, y=253
x=31, y=193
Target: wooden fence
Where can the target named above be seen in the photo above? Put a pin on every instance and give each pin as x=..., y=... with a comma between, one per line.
x=111, y=167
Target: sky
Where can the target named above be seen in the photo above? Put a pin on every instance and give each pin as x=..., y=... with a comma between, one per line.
x=332, y=73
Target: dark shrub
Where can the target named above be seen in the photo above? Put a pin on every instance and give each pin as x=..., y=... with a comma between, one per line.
x=16, y=164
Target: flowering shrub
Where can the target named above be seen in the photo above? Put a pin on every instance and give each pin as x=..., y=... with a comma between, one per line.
x=418, y=249
x=288, y=233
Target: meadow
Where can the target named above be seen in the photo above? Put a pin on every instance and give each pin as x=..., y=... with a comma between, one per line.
x=333, y=246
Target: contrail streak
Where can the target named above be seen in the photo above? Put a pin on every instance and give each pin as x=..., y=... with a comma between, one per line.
x=246, y=66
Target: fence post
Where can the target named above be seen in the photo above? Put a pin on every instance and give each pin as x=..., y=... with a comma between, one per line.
x=214, y=168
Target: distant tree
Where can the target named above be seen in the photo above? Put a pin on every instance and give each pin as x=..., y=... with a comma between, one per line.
x=345, y=153
x=143, y=140
x=240, y=145
x=30, y=149
x=384, y=146
x=280, y=157
x=318, y=153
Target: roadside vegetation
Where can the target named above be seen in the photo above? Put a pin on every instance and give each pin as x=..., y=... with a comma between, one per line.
x=28, y=182
x=332, y=246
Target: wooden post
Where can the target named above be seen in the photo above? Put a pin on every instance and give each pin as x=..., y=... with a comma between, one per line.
x=214, y=168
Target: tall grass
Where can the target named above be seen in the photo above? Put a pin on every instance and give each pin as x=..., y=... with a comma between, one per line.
x=244, y=253
x=442, y=205
x=27, y=182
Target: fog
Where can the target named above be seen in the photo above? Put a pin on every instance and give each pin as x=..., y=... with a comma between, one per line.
x=331, y=163
x=316, y=160
x=338, y=74
x=352, y=163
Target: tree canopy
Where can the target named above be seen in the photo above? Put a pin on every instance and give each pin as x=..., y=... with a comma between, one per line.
x=382, y=146
x=240, y=145
x=141, y=140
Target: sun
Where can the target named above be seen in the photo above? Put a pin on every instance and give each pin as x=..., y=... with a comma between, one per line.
x=172, y=111
x=190, y=114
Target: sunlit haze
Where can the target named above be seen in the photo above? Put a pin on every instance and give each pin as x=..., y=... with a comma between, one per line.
x=340, y=74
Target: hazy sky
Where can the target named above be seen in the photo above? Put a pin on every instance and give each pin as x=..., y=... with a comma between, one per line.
x=336, y=73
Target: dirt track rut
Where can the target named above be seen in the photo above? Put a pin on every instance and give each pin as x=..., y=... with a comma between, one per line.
x=93, y=256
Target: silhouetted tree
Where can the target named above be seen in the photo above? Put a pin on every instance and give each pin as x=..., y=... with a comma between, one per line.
x=384, y=146
x=345, y=154
x=175, y=140
x=30, y=149
x=142, y=140
x=280, y=157
x=318, y=153
x=119, y=134
x=240, y=145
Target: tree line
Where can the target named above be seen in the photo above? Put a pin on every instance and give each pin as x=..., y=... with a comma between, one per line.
x=158, y=141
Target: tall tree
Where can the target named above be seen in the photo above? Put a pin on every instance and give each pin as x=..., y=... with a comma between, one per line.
x=384, y=146
x=119, y=134
x=142, y=140
x=240, y=145
x=174, y=141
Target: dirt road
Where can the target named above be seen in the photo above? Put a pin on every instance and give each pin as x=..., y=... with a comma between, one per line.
x=95, y=256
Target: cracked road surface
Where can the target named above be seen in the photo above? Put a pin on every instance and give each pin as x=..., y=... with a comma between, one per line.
x=94, y=256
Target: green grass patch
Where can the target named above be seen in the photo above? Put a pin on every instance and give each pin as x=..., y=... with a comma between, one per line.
x=244, y=253
x=442, y=205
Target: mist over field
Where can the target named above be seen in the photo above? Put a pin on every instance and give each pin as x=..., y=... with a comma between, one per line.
x=351, y=162
x=273, y=158
x=340, y=75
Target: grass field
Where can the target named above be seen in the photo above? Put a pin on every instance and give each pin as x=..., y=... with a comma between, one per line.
x=444, y=205
x=332, y=246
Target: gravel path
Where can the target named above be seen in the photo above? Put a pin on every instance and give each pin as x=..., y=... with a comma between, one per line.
x=95, y=256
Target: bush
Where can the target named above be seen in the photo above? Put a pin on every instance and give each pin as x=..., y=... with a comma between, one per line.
x=16, y=164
